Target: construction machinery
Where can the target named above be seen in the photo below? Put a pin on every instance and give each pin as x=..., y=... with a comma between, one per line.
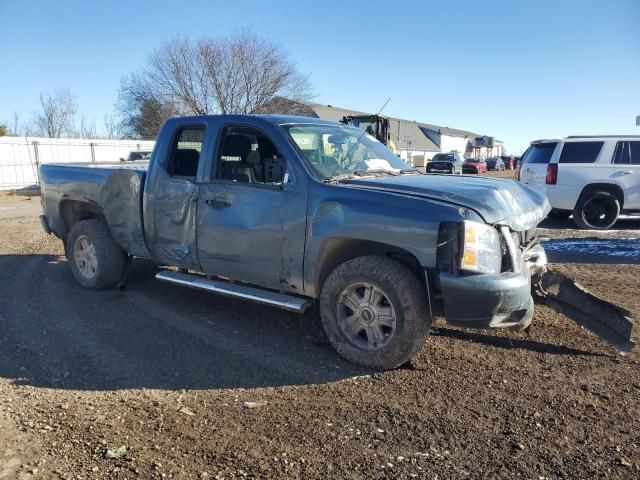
x=375, y=125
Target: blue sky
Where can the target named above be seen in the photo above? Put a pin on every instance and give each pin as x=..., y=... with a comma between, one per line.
x=513, y=69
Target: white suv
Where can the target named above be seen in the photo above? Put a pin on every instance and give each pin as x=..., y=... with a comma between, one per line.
x=594, y=178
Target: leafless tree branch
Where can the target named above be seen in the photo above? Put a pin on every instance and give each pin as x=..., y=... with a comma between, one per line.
x=241, y=73
x=57, y=116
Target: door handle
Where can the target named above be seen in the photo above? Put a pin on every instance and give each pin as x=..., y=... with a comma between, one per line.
x=218, y=202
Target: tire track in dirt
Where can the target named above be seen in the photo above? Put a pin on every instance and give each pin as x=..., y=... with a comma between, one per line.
x=152, y=336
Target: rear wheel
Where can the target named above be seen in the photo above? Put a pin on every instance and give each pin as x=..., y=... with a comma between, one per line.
x=95, y=258
x=374, y=312
x=597, y=211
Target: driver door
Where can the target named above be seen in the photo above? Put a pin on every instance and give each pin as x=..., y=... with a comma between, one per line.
x=251, y=217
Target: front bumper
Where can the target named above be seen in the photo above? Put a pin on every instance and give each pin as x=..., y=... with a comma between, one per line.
x=491, y=301
x=439, y=168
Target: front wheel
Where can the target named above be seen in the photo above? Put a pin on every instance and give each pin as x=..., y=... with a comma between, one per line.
x=597, y=211
x=557, y=214
x=374, y=312
x=95, y=258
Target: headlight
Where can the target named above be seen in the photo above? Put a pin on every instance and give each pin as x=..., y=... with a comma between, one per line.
x=481, y=248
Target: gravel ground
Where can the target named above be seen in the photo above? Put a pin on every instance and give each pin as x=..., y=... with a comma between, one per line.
x=160, y=382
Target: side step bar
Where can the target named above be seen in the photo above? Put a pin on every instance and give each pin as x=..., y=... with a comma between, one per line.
x=610, y=322
x=267, y=297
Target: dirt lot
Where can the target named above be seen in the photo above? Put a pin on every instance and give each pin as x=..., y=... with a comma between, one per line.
x=159, y=382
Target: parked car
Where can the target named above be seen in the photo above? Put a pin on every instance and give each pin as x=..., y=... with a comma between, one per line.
x=516, y=161
x=594, y=178
x=445, y=163
x=288, y=211
x=137, y=155
x=495, y=163
x=474, y=165
x=509, y=161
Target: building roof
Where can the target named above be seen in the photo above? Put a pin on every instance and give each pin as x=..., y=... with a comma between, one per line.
x=419, y=135
x=403, y=132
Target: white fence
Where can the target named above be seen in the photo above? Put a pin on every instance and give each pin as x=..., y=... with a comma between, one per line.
x=21, y=156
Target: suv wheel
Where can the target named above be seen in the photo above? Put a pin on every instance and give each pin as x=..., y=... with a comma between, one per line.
x=95, y=258
x=374, y=312
x=597, y=211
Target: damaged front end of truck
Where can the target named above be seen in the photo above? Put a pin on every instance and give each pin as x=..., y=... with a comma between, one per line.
x=473, y=295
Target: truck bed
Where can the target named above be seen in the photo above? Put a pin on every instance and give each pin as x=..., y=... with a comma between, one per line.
x=115, y=190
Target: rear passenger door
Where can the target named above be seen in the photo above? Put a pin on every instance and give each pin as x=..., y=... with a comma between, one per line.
x=171, y=192
x=627, y=172
x=251, y=217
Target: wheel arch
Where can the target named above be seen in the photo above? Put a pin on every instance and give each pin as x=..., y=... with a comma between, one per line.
x=336, y=251
x=611, y=188
x=73, y=211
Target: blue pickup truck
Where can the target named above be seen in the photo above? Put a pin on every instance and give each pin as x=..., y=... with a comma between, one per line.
x=293, y=211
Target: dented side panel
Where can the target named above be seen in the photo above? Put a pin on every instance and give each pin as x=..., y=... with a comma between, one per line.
x=114, y=191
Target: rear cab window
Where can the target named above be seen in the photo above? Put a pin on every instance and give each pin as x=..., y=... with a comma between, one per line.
x=185, y=153
x=580, y=152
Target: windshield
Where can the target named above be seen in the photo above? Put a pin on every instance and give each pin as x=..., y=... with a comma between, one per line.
x=443, y=157
x=333, y=150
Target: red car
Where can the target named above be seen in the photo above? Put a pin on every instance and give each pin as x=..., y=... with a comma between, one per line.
x=474, y=165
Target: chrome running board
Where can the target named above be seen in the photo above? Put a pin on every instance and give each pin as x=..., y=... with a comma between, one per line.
x=254, y=294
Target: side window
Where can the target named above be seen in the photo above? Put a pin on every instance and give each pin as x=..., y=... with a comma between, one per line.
x=248, y=156
x=634, y=151
x=580, y=152
x=621, y=155
x=185, y=154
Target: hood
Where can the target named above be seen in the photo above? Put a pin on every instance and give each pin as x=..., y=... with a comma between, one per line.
x=497, y=201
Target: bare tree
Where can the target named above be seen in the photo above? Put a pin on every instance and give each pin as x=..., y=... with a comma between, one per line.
x=15, y=127
x=57, y=116
x=240, y=73
x=142, y=108
x=109, y=126
x=248, y=72
x=85, y=129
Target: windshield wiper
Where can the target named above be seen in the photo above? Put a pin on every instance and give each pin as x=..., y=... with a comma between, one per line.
x=361, y=173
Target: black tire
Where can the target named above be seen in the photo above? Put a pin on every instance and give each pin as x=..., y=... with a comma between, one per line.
x=403, y=292
x=597, y=210
x=110, y=260
x=559, y=214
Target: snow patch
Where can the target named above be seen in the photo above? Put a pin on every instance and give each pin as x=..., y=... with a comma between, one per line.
x=615, y=247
